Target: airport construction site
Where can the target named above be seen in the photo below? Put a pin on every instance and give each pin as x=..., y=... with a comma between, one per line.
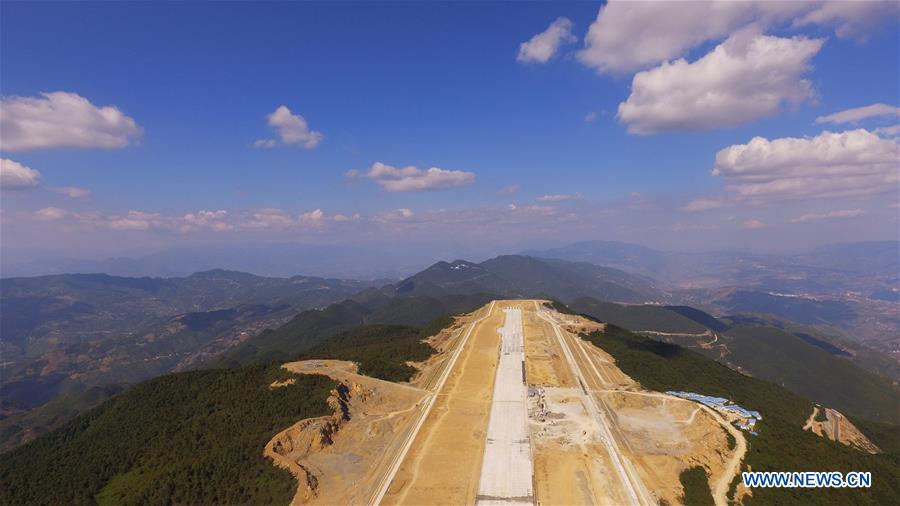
x=513, y=408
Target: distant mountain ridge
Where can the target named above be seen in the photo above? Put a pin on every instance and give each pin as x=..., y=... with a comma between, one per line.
x=868, y=258
x=63, y=335
x=524, y=276
x=132, y=329
x=441, y=289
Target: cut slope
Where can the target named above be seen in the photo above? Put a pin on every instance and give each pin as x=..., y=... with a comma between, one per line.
x=782, y=443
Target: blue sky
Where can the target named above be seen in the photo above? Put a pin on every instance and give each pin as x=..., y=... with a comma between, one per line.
x=425, y=85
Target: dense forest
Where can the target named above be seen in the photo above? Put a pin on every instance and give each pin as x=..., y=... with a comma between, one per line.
x=767, y=349
x=313, y=327
x=380, y=350
x=782, y=445
x=695, y=483
x=187, y=438
x=197, y=437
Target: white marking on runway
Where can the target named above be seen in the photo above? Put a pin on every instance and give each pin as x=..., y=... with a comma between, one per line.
x=506, y=471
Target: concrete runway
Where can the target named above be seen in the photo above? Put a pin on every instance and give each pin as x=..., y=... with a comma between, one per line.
x=506, y=471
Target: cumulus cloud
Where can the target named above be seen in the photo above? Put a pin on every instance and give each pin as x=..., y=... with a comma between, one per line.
x=850, y=19
x=559, y=197
x=73, y=192
x=843, y=213
x=15, y=176
x=543, y=46
x=62, y=120
x=213, y=220
x=135, y=220
x=413, y=179
x=889, y=131
x=292, y=130
x=267, y=218
x=850, y=163
x=343, y=217
x=312, y=218
x=858, y=114
x=628, y=35
x=747, y=77
x=590, y=117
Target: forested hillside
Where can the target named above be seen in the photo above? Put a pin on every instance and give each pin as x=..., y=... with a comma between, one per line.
x=187, y=438
x=312, y=327
x=515, y=276
x=197, y=437
x=782, y=445
x=802, y=363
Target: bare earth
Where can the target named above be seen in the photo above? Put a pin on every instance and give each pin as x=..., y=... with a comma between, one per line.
x=596, y=436
x=328, y=453
x=838, y=428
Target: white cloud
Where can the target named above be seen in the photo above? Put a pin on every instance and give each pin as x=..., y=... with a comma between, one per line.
x=292, y=129
x=753, y=224
x=747, y=77
x=508, y=191
x=400, y=215
x=50, y=214
x=267, y=218
x=843, y=213
x=62, y=120
x=559, y=197
x=135, y=220
x=850, y=163
x=343, y=217
x=73, y=192
x=15, y=176
x=890, y=131
x=630, y=35
x=220, y=220
x=851, y=19
x=213, y=220
x=543, y=46
x=312, y=218
x=858, y=114
x=412, y=179
x=704, y=204
x=590, y=117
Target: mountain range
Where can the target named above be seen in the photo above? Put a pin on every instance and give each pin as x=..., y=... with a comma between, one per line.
x=70, y=341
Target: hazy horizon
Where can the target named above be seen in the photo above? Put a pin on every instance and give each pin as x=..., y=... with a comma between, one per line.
x=446, y=128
